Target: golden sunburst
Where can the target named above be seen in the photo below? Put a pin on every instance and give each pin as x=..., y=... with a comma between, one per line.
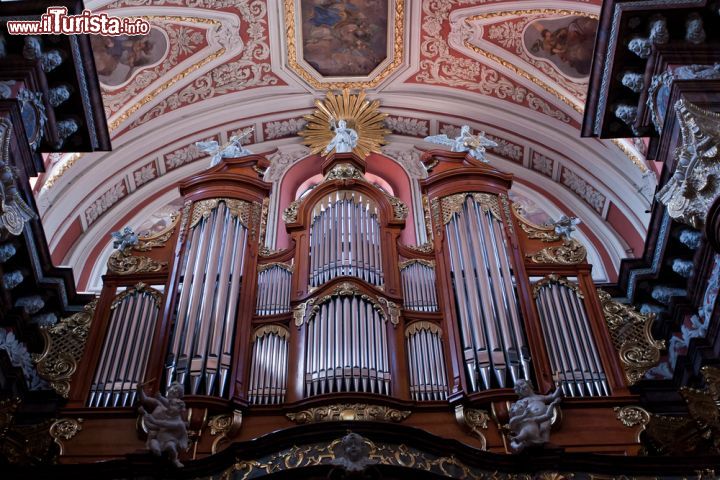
x=360, y=114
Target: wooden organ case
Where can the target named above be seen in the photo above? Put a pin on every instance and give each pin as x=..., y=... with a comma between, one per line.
x=349, y=323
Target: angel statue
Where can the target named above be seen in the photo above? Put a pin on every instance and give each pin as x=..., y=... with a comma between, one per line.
x=530, y=417
x=124, y=239
x=565, y=225
x=232, y=149
x=167, y=431
x=345, y=138
x=465, y=142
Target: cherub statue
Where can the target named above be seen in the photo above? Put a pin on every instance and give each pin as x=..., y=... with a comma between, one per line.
x=530, y=417
x=352, y=455
x=167, y=431
x=232, y=149
x=345, y=138
x=465, y=142
x=565, y=225
x=124, y=239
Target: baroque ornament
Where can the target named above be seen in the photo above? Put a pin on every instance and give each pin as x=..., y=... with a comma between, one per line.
x=571, y=252
x=65, y=429
x=531, y=417
x=14, y=212
x=349, y=412
x=64, y=347
x=694, y=186
x=474, y=421
x=631, y=334
x=359, y=114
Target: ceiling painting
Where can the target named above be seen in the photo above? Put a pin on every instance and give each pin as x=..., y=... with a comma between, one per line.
x=566, y=42
x=119, y=58
x=344, y=38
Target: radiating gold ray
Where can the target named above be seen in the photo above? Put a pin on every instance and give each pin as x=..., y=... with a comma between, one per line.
x=360, y=114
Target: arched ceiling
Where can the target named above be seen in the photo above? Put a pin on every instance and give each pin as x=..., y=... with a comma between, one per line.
x=213, y=68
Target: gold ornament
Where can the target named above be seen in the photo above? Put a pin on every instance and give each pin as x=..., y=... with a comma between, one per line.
x=64, y=346
x=631, y=334
x=224, y=426
x=557, y=279
x=64, y=429
x=349, y=412
x=473, y=420
x=571, y=252
x=360, y=114
x=124, y=263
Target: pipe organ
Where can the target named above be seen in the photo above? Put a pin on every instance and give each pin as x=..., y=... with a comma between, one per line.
x=348, y=312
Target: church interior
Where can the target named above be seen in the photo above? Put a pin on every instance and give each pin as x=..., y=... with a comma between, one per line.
x=370, y=239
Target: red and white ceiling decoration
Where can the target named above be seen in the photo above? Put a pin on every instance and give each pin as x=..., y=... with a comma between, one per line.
x=208, y=69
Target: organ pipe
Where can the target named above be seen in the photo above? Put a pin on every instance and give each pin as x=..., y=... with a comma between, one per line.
x=346, y=347
x=273, y=293
x=426, y=363
x=345, y=239
x=200, y=353
x=573, y=354
x=126, y=347
x=490, y=325
x=268, y=371
x=418, y=280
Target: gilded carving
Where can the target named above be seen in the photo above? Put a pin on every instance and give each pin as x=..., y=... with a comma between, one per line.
x=123, y=263
x=557, y=279
x=223, y=427
x=343, y=171
x=693, y=187
x=348, y=412
x=631, y=334
x=405, y=264
x=140, y=287
x=64, y=429
x=391, y=309
x=278, y=330
x=400, y=210
x=474, y=421
x=64, y=346
x=415, y=327
x=301, y=311
x=453, y=204
x=244, y=211
x=571, y=252
x=267, y=266
x=426, y=247
x=632, y=416
x=291, y=212
x=360, y=114
x=536, y=232
x=148, y=242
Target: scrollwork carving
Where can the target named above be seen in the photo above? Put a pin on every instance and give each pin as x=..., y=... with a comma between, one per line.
x=391, y=309
x=223, y=427
x=405, y=264
x=349, y=412
x=571, y=252
x=452, y=204
x=555, y=278
x=474, y=421
x=64, y=346
x=244, y=211
x=426, y=247
x=123, y=263
x=291, y=212
x=631, y=334
x=64, y=429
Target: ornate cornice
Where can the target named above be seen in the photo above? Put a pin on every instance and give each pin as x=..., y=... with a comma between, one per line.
x=349, y=412
x=64, y=347
x=693, y=187
x=631, y=334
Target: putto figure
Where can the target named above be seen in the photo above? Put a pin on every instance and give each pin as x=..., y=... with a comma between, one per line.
x=352, y=454
x=345, y=138
x=565, y=225
x=233, y=149
x=465, y=142
x=530, y=417
x=124, y=239
x=167, y=431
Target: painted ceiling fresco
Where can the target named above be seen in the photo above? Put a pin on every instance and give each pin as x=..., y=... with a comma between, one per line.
x=344, y=38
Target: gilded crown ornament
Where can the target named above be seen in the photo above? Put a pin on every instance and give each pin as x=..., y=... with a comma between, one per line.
x=345, y=123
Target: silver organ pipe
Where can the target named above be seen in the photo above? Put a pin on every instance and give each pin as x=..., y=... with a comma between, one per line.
x=133, y=315
x=572, y=351
x=210, y=275
x=428, y=378
x=345, y=239
x=492, y=337
x=273, y=293
x=418, y=281
x=346, y=348
x=268, y=371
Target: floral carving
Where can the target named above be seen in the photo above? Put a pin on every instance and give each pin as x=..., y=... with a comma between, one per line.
x=413, y=127
x=106, y=200
x=186, y=154
x=439, y=66
x=284, y=128
x=349, y=411
x=583, y=189
x=542, y=164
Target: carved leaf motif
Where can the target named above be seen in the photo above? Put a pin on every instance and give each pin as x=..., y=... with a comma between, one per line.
x=349, y=411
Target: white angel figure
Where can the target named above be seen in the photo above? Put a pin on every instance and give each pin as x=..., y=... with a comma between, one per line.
x=232, y=149
x=465, y=142
x=565, y=225
x=345, y=138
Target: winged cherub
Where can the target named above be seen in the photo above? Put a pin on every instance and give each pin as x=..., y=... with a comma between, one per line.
x=465, y=142
x=232, y=149
x=565, y=225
